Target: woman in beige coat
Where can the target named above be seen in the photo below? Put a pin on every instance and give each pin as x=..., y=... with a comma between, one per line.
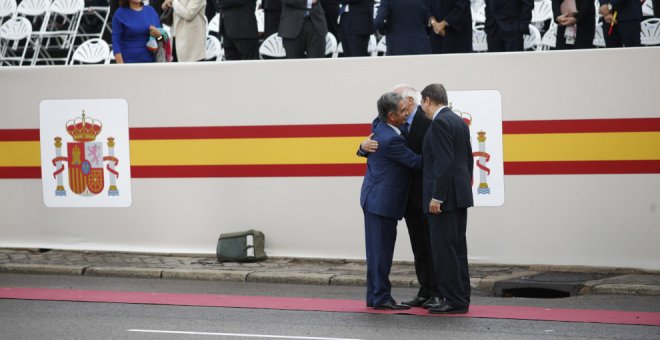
x=188, y=28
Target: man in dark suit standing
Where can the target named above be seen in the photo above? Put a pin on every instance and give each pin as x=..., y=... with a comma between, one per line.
x=356, y=25
x=331, y=10
x=404, y=23
x=451, y=21
x=383, y=197
x=448, y=166
x=626, y=28
x=303, y=28
x=506, y=23
x=414, y=130
x=238, y=28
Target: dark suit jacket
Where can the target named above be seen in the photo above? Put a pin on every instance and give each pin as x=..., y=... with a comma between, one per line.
x=628, y=9
x=293, y=14
x=510, y=16
x=458, y=35
x=385, y=186
x=415, y=141
x=405, y=23
x=237, y=19
x=360, y=17
x=448, y=162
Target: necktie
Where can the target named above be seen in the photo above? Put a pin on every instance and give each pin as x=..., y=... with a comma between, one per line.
x=405, y=129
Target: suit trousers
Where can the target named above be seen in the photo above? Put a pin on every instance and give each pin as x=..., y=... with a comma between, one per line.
x=380, y=236
x=449, y=253
x=309, y=43
x=625, y=33
x=354, y=45
x=499, y=41
x=240, y=49
x=418, y=230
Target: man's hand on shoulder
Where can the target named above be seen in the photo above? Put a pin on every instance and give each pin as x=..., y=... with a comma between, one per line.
x=369, y=145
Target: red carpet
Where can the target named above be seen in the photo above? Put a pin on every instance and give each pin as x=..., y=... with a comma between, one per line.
x=326, y=305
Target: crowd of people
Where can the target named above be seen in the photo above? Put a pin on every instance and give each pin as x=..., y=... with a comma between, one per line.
x=411, y=26
x=433, y=196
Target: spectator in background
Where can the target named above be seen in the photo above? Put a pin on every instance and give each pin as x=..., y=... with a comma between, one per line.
x=626, y=27
x=303, y=29
x=331, y=10
x=132, y=24
x=188, y=29
x=576, y=23
x=356, y=26
x=451, y=21
x=404, y=23
x=506, y=23
x=272, y=11
x=238, y=28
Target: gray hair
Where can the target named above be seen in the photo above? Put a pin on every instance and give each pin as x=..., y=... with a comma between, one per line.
x=407, y=91
x=436, y=93
x=389, y=102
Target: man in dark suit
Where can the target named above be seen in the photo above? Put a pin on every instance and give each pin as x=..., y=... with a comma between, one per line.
x=418, y=228
x=506, y=23
x=303, y=29
x=448, y=166
x=626, y=28
x=331, y=10
x=238, y=28
x=404, y=23
x=383, y=197
x=272, y=11
x=451, y=21
x=356, y=25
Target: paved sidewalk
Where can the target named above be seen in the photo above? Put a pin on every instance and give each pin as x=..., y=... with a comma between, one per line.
x=490, y=278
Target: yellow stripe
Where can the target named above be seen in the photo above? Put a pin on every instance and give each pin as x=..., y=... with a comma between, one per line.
x=246, y=151
x=582, y=147
x=329, y=150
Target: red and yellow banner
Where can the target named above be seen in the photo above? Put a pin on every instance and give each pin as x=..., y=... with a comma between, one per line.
x=595, y=146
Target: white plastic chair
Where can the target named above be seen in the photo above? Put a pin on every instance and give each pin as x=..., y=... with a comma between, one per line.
x=101, y=13
x=213, y=49
x=214, y=24
x=599, y=38
x=647, y=8
x=479, y=42
x=372, y=48
x=7, y=9
x=330, y=45
x=478, y=9
x=533, y=39
x=92, y=51
x=111, y=58
x=261, y=20
x=61, y=26
x=541, y=12
x=650, y=32
x=13, y=31
x=381, y=47
x=272, y=48
x=549, y=39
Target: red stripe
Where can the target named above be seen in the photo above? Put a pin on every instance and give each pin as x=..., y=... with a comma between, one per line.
x=328, y=170
x=279, y=170
x=271, y=131
x=19, y=135
x=327, y=305
x=581, y=125
x=354, y=130
x=582, y=167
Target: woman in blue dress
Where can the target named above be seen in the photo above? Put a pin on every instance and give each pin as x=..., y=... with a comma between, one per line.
x=132, y=25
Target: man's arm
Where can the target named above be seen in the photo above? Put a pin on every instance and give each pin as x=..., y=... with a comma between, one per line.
x=380, y=22
x=399, y=152
x=368, y=146
x=443, y=153
x=526, y=7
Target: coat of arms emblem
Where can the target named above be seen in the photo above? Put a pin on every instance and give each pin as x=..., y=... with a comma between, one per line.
x=85, y=160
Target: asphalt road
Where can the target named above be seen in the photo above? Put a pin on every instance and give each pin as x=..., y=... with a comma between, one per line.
x=22, y=319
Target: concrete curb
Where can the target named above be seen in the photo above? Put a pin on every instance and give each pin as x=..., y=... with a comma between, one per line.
x=488, y=282
x=49, y=269
x=208, y=275
x=623, y=289
x=149, y=273
x=290, y=277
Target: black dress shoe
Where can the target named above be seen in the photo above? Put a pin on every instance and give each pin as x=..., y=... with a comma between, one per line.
x=417, y=301
x=391, y=305
x=432, y=302
x=445, y=308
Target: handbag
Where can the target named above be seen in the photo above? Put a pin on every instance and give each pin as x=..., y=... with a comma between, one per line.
x=167, y=17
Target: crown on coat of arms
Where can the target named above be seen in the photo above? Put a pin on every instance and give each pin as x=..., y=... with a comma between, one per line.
x=83, y=129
